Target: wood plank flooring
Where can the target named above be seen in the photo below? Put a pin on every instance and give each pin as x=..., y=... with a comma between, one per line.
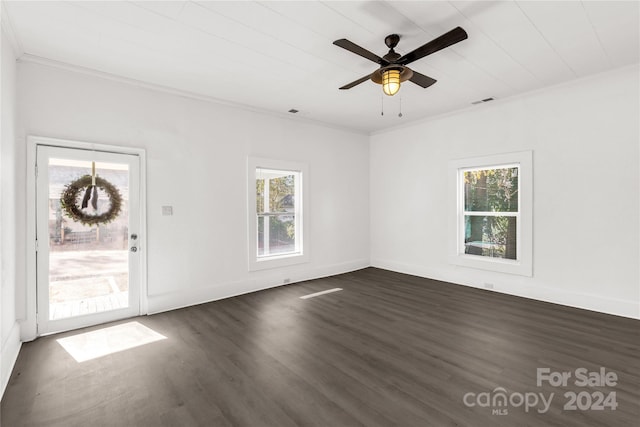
x=388, y=350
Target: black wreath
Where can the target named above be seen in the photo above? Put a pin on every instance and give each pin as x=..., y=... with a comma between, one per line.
x=69, y=197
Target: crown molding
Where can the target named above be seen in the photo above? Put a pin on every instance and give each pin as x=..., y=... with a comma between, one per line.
x=502, y=101
x=7, y=27
x=28, y=58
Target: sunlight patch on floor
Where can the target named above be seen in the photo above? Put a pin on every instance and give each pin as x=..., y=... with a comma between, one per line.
x=113, y=339
x=328, y=291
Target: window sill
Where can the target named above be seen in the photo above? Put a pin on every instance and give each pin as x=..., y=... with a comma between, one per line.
x=499, y=265
x=276, y=261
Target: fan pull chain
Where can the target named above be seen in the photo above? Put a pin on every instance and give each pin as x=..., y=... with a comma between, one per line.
x=400, y=113
x=381, y=105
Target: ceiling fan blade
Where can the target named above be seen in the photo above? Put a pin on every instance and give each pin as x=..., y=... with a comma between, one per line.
x=452, y=37
x=422, y=80
x=356, y=83
x=352, y=47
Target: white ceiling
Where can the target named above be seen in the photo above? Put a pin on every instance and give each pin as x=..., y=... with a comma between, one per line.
x=278, y=55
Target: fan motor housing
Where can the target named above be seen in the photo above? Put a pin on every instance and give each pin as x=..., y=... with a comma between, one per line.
x=392, y=40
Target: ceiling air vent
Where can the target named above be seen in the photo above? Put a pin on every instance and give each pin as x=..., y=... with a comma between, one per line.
x=482, y=101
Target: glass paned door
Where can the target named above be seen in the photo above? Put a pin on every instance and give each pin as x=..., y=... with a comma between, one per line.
x=88, y=259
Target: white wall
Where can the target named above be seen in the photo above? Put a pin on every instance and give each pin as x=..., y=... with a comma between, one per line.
x=196, y=161
x=585, y=139
x=9, y=330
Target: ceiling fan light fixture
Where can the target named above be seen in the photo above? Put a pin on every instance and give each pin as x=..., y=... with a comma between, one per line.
x=391, y=81
x=393, y=66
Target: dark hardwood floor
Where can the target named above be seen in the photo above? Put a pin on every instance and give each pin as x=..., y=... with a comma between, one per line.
x=388, y=350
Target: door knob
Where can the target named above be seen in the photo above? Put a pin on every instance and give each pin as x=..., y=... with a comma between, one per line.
x=134, y=236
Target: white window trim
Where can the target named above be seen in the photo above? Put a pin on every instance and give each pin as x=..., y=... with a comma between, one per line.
x=524, y=264
x=302, y=221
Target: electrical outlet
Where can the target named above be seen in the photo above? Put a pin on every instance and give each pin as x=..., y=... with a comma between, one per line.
x=287, y=280
x=488, y=285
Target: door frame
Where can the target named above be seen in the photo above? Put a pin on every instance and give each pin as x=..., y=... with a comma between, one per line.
x=28, y=305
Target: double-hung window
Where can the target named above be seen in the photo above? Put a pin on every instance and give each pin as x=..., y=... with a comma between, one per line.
x=490, y=211
x=493, y=212
x=276, y=213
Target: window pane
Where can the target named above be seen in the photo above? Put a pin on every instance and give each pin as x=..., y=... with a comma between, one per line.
x=281, y=235
x=491, y=190
x=491, y=236
x=88, y=265
x=260, y=196
x=281, y=194
x=261, y=221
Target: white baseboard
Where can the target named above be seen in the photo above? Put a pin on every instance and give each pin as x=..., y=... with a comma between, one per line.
x=28, y=329
x=10, y=350
x=525, y=287
x=264, y=280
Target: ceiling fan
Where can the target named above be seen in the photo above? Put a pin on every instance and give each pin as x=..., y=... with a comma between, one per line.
x=393, y=66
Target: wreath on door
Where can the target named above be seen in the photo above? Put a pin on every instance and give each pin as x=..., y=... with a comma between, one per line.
x=90, y=185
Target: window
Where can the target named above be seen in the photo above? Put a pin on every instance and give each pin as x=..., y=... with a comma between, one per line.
x=493, y=213
x=490, y=211
x=276, y=210
x=276, y=221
